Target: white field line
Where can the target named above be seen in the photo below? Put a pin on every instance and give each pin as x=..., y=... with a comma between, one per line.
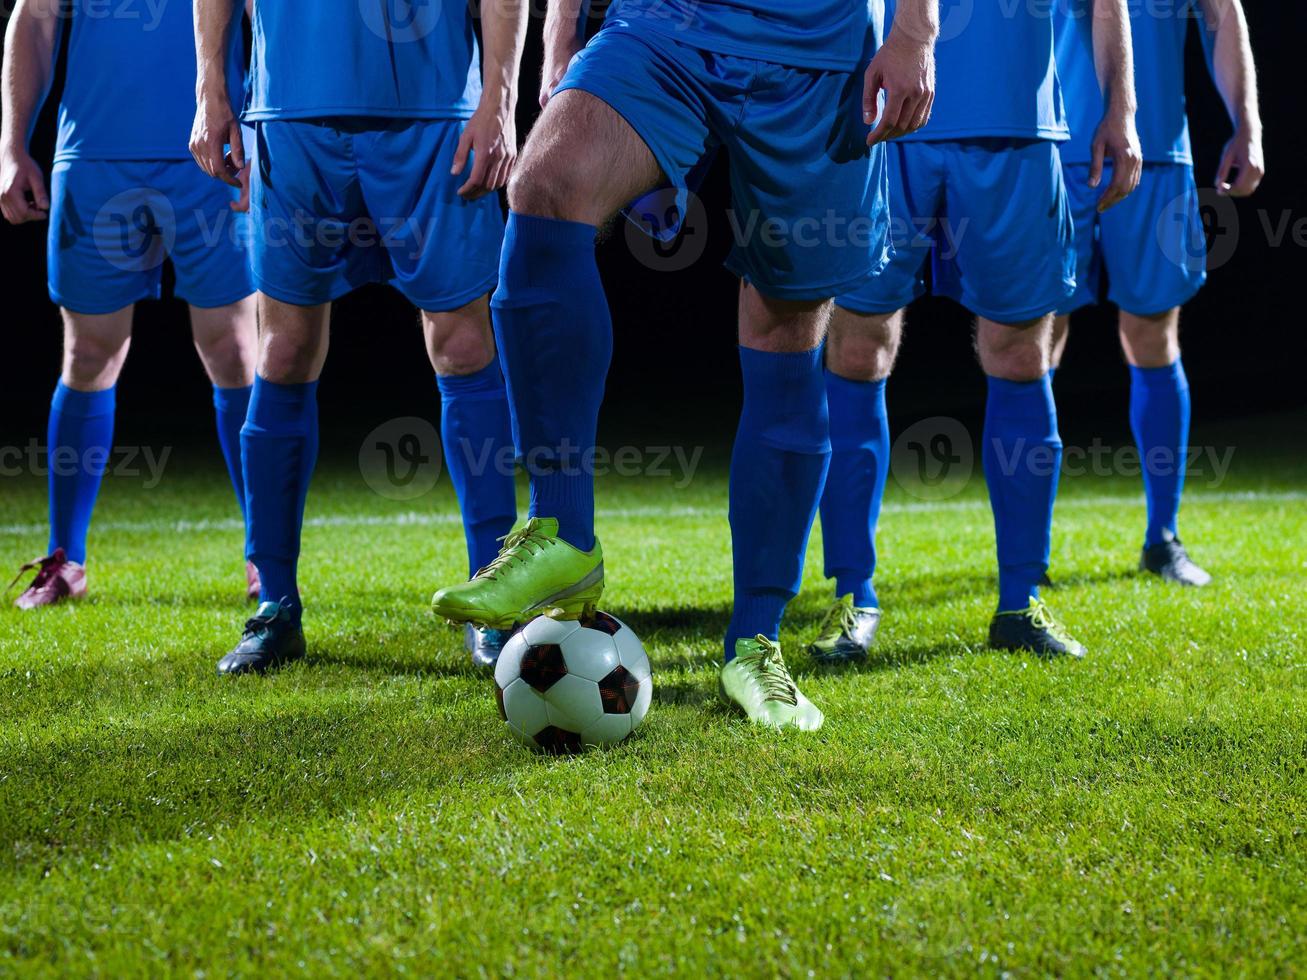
x=423, y=519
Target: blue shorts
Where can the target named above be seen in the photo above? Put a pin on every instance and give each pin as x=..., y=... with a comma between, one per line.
x=1150, y=247
x=991, y=217
x=336, y=203
x=113, y=224
x=809, y=199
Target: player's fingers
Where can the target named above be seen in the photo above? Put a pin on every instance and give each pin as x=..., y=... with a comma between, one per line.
x=1097, y=153
x=236, y=144
x=475, y=185
x=922, y=114
x=461, y=153
x=889, y=126
x=39, y=195
x=1118, y=189
x=1223, y=171
x=1247, y=181
x=870, y=96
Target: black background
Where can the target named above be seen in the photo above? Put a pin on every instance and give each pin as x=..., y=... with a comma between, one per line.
x=675, y=372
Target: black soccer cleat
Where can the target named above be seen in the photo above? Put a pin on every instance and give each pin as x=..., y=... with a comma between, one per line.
x=1033, y=629
x=1171, y=562
x=846, y=633
x=271, y=639
x=484, y=644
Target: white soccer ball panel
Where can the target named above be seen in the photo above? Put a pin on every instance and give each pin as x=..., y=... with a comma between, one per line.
x=525, y=710
x=573, y=703
x=509, y=665
x=631, y=653
x=608, y=730
x=590, y=654
x=642, y=702
x=542, y=630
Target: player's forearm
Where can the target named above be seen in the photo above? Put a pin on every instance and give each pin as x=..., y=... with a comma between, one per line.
x=503, y=31
x=917, y=20
x=565, y=24
x=214, y=22
x=1113, y=55
x=28, y=67
x=1233, y=69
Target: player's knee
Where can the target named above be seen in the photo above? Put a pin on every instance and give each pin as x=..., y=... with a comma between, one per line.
x=861, y=347
x=462, y=351
x=1150, y=341
x=546, y=191
x=288, y=359
x=93, y=360
x=1017, y=362
x=228, y=357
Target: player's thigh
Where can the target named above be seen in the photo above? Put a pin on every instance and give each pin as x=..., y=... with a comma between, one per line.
x=226, y=338
x=630, y=114
x=863, y=346
x=441, y=251
x=311, y=240
x=1083, y=201
x=810, y=198
x=293, y=340
x=1154, y=249
x=772, y=323
x=1013, y=256
x=1015, y=351
x=917, y=226
x=109, y=234
x=210, y=244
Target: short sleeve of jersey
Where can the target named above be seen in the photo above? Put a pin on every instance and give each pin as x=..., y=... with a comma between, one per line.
x=407, y=59
x=130, y=88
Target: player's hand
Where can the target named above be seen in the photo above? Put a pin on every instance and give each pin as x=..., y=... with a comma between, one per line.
x=22, y=187
x=1243, y=155
x=215, y=129
x=904, y=68
x=558, y=55
x=1117, y=140
x=490, y=137
x=242, y=204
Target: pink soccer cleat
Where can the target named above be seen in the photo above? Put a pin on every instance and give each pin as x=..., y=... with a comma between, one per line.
x=56, y=579
x=252, y=584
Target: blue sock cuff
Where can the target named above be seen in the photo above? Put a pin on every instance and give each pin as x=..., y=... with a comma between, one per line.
x=83, y=404
x=1019, y=399
x=540, y=253
x=277, y=403
x=488, y=382
x=870, y=395
x=1172, y=375
x=784, y=365
x=232, y=399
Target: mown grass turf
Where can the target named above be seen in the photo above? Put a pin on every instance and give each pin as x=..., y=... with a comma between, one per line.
x=366, y=811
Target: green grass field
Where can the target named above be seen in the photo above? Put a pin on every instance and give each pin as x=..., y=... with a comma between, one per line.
x=963, y=811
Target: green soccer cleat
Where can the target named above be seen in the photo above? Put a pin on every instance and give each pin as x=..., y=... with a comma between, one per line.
x=846, y=633
x=1033, y=629
x=758, y=683
x=536, y=573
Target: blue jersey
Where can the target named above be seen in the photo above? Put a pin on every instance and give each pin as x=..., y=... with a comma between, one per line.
x=399, y=59
x=1159, y=36
x=130, y=90
x=828, y=34
x=995, y=74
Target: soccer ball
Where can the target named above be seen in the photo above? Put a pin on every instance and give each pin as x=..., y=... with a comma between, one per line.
x=563, y=685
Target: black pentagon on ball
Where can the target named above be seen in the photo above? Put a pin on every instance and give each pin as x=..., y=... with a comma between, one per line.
x=558, y=741
x=602, y=622
x=618, y=691
x=543, y=666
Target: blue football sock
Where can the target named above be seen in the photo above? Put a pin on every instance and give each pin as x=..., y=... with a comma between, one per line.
x=1022, y=454
x=859, y=467
x=1159, y=418
x=782, y=449
x=475, y=431
x=555, y=341
x=279, y=445
x=230, y=406
x=79, y=439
